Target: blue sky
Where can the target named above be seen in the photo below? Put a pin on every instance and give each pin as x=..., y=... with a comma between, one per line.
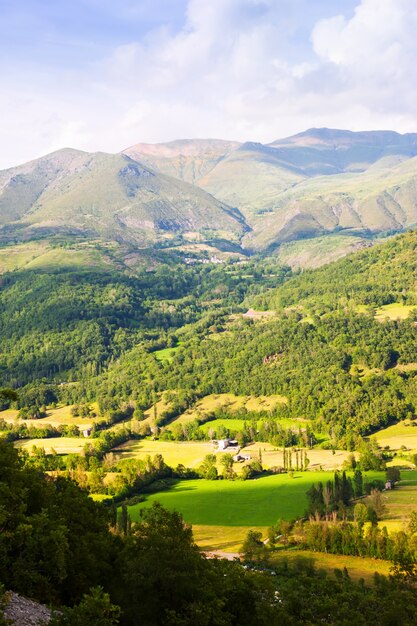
x=101, y=75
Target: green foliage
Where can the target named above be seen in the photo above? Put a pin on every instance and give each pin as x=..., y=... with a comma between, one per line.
x=254, y=549
x=54, y=542
x=95, y=609
x=393, y=474
x=360, y=513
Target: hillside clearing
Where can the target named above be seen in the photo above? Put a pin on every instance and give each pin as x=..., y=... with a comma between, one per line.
x=234, y=404
x=395, y=437
x=394, y=311
x=60, y=416
x=61, y=445
x=400, y=502
x=188, y=453
x=358, y=567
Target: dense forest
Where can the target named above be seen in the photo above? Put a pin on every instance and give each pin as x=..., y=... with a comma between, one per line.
x=66, y=325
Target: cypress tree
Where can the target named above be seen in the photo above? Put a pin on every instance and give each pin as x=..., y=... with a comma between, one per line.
x=357, y=484
x=346, y=490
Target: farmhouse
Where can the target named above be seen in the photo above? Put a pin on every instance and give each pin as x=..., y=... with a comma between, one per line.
x=87, y=432
x=227, y=443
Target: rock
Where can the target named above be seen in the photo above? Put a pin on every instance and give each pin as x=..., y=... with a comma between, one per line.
x=24, y=612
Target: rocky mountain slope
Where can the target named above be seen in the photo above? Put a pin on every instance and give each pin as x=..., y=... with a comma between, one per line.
x=313, y=184
x=318, y=182
x=106, y=195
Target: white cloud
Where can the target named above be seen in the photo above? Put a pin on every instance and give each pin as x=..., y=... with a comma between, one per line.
x=234, y=71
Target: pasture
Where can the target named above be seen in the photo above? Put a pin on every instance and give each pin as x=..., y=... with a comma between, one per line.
x=223, y=538
x=189, y=453
x=229, y=401
x=222, y=511
x=358, y=567
x=394, y=311
x=166, y=355
x=236, y=424
x=41, y=255
x=250, y=503
x=402, y=434
x=61, y=445
x=60, y=416
x=319, y=459
x=400, y=502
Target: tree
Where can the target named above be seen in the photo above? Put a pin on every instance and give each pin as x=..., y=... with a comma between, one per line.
x=316, y=499
x=284, y=528
x=392, y=474
x=95, y=609
x=357, y=484
x=227, y=463
x=160, y=569
x=370, y=456
x=208, y=468
x=253, y=548
x=412, y=522
x=360, y=513
x=377, y=503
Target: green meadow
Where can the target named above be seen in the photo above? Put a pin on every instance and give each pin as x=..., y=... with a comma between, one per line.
x=251, y=503
x=166, y=355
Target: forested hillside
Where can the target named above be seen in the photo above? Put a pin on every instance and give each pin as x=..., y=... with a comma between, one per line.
x=67, y=324
x=326, y=352
x=381, y=275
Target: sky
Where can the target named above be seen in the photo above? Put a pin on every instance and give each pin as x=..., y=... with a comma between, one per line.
x=104, y=75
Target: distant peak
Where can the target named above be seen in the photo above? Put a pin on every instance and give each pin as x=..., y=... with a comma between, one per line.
x=183, y=147
x=339, y=137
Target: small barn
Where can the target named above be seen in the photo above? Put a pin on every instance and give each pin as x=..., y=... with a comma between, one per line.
x=222, y=444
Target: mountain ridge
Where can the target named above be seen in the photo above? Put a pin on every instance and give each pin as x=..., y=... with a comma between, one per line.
x=318, y=182
x=108, y=195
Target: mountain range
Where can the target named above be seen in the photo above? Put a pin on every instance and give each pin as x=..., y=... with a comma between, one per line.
x=260, y=196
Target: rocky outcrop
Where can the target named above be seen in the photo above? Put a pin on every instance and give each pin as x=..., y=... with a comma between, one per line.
x=24, y=612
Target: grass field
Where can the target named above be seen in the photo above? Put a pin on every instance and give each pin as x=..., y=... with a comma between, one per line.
x=192, y=453
x=259, y=315
x=402, y=434
x=251, y=503
x=223, y=538
x=189, y=453
x=233, y=403
x=395, y=311
x=41, y=255
x=358, y=567
x=60, y=416
x=166, y=355
x=61, y=445
x=237, y=503
x=400, y=502
x=272, y=456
